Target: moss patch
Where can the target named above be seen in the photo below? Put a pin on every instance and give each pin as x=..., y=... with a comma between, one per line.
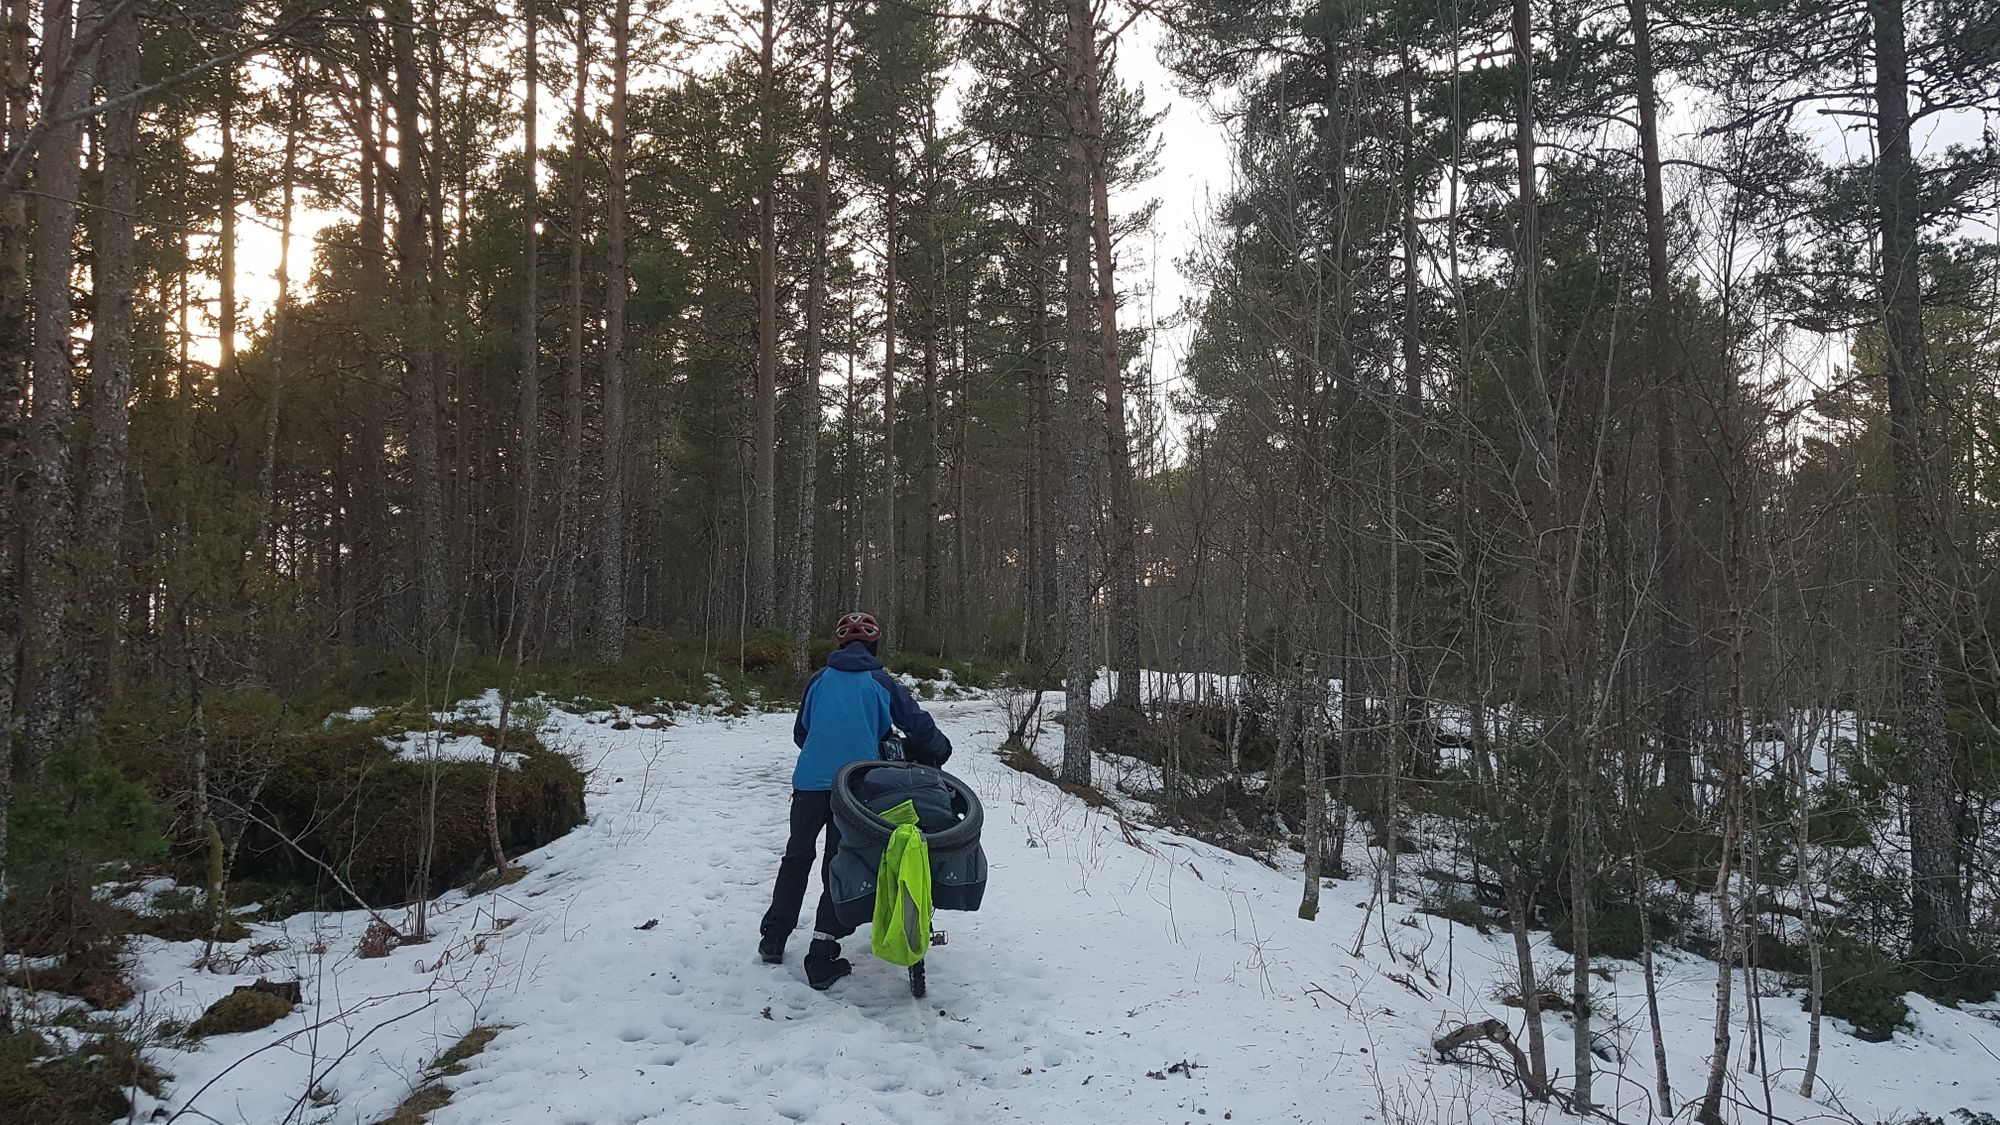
x=241, y=1011
x=85, y=1087
x=471, y=1043
x=189, y=925
x=494, y=879
x=417, y=1108
x=96, y=980
x=433, y=1095
x=368, y=814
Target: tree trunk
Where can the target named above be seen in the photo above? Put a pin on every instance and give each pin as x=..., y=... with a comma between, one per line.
x=933, y=259
x=1121, y=550
x=111, y=333
x=1676, y=620
x=267, y=472
x=890, y=586
x=1580, y=909
x=1039, y=607
x=14, y=346
x=1520, y=898
x=1073, y=563
x=763, y=591
x=1313, y=744
x=809, y=404
x=611, y=593
x=1938, y=917
x=225, y=275
x=46, y=669
x=569, y=498
x=528, y=531
x=413, y=259
x=377, y=538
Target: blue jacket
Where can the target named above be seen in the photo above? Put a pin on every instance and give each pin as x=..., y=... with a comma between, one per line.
x=849, y=707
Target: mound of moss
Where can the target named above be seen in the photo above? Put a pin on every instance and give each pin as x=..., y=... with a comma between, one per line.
x=345, y=800
x=94, y=977
x=83, y=1087
x=242, y=1010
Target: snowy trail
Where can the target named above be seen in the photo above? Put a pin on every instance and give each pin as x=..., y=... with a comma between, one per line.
x=1094, y=965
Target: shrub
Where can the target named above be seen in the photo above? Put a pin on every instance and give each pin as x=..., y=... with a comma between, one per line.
x=765, y=652
x=1614, y=930
x=1863, y=987
x=1463, y=911
x=977, y=677
x=1956, y=976
x=913, y=664
x=79, y=813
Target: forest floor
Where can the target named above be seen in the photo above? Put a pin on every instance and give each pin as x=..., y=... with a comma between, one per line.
x=1116, y=973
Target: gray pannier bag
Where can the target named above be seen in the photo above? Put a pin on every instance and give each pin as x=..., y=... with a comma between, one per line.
x=948, y=814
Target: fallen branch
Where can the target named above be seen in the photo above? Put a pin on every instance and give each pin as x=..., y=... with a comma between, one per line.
x=1492, y=1031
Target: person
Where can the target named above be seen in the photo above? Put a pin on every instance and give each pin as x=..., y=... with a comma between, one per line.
x=849, y=708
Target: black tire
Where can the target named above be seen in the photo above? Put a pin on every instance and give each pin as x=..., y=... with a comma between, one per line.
x=918, y=985
x=860, y=824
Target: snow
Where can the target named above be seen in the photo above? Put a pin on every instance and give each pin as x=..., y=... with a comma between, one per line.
x=1100, y=963
x=436, y=746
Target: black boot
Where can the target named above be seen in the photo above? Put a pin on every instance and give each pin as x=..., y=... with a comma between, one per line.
x=824, y=964
x=772, y=949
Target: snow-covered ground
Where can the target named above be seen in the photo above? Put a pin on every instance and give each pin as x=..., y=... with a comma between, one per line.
x=1109, y=978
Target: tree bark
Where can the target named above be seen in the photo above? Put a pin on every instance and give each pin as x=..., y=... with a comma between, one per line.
x=111, y=359
x=413, y=258
x=890, y=584
x=1121, y=551
x=933, y=258
x=569, y=489
x=1073, y=547
x=225, y=276
x=375, y=539
x=1938, y=916
x=763, y=590
x=527, y=479
x=46, y=670
x=14, y=346
x=611, y=592
x=809, y=399
x=1676, y=618
x=268, y=469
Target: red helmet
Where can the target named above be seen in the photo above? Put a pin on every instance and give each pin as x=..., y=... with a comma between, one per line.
x=857, y=627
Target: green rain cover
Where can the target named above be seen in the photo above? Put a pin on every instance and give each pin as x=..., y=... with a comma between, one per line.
x=902, y=933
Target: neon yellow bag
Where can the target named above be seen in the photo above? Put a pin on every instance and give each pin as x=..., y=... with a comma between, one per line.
x=902, y=932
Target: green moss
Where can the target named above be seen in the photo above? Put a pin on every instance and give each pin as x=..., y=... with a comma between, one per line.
x=93, y=977
x=190, y=925
x=471, y=1043
x=84, y=1087
x=240, y=1011
x=368, y=813
x=418, y=1107
x=494, y=879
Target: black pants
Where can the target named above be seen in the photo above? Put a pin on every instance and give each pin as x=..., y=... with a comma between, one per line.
x=811, y=812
